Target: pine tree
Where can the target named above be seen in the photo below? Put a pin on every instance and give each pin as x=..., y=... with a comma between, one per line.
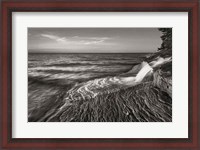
x=166, y=39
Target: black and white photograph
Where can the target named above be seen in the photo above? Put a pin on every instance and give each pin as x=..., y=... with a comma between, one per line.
x=99, y=74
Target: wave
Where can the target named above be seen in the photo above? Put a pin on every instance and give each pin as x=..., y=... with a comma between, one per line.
x=79, y=73
x=88, y=68
x=103, y=63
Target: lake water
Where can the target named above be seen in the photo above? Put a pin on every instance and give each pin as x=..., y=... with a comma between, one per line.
x=63, y=69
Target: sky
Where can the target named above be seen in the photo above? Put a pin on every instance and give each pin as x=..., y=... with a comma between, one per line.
x=93, y=40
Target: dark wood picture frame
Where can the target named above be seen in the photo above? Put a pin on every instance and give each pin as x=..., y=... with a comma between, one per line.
x=9, y=6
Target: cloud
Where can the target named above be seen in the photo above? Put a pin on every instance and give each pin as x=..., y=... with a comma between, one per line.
x=77, y=39
x=54, y=37
x=93, y=42
x=61, y=39
x=91, y=38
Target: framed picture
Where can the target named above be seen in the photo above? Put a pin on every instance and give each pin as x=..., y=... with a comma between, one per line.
x=100, y=74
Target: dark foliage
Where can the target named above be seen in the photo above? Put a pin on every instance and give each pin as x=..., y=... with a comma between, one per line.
x=166, y=38
x=166, y=47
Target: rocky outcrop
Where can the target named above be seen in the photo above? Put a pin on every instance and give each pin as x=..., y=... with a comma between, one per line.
x=162, y=82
